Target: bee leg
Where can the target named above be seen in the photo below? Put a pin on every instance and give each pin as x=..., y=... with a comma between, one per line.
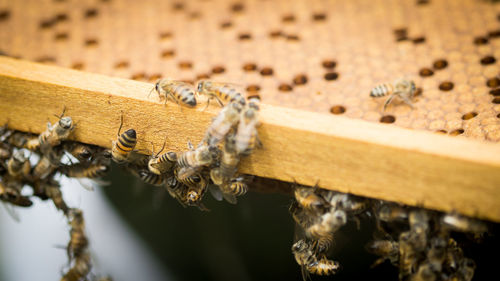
x=208, y=102
x=407, y=100
x=219, y=101
x=388, y=101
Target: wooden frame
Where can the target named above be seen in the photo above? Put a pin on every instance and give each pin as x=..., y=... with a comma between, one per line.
x=374, y=160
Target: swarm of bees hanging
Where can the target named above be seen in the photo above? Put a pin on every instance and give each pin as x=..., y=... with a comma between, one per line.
x=417, y=241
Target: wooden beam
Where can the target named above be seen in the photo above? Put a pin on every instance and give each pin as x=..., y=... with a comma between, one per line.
x=374, y=160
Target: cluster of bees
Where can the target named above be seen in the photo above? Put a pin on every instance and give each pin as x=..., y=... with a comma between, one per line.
x=402, y=88
x=213, y=164
x=46, y=151
x=318, y=214
x=419, y=242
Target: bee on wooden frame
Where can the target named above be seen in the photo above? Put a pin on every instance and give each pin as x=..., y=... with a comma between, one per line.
x=181, y=92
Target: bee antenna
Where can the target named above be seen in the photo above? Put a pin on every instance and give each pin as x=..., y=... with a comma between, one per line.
x=154, y=88
x=121, y=124
x=163, y=147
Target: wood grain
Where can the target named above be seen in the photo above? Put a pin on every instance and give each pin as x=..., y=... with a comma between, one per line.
x=374, y=160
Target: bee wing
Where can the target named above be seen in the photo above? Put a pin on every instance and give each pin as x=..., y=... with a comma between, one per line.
x=11, y=211
x=230, y=198
x=216, y=192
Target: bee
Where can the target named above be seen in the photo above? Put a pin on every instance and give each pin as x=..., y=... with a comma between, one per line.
x=18, y=165
x=195, y=193
x=323, y=267
x=220, y=92
x=163, y=163
x=151, y=178
x=408, y=257
x=5, y=152
x=222, y=123
x=180, y=92
x=404, y=89
x=467, y=268
x=324, y=226
x=238, y=186
x=454, y=256
x=246, y=137
x=80, y=151
x=53, y=191
x=437, y=253
x=13, y=196
x=460, y=223
x=78, y=242
x=55, y=134
x=386, y=249
x=228, y=164
x=47, y=164
x=187, y=195
x=304, y=256
x=419, y=227
x=124, y=145
x=83, y=170
x=308, y=199
x=425, y=272
x=392, y=212
x=191, y=161
x=80, y=269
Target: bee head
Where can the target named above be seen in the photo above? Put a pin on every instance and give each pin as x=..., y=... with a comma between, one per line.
x=299, y=246
x=192, y=197
x=66, y=122
x=200, y=86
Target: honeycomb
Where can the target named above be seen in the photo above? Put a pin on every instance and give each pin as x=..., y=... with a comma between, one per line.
x=316, y=55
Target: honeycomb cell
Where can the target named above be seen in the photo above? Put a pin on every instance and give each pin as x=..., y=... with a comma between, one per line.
x=337, y=109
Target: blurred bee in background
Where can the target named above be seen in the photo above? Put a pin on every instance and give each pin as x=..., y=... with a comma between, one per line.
x=227, y=118
x=81, y=268
x=124, y=145
x=48, y=163
x=78, y=242
x=402, y=88
x=18, y=166
x=13, y=196
x=221, y=92
x=181, y=92
x=53, y=191
x=81, y=152
x=419, y=229
x=5, y=152
x=54, y=135
x=322, y=228
x=190, y=162
x=456, y=222
x=386, y=249
x=84, y=170
x=151, y=178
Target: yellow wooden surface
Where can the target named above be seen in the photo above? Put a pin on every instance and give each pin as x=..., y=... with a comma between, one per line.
x=367, y=159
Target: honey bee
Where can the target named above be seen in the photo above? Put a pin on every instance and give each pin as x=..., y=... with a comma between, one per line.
x=308, y=199
x=18, y=165
x=191, y=161
x=124, y=145
x=78, y=242
x=404, y=89
x=223, y=122
x=323, y=266
x=238, y=186
x=300, y=216
x=392, y=212
x=323, y=228
x=151, y=178
x=55, y=134
x=408, y=257
x=83, y=170
x=80, y=269
x=460, y=223
x=386, y=249
x=419, y=227
x=13, y=196
x=187, y=195
x=246, y=136
x=180, y=92
x=425, y=272
x=437, y=253
x=195, y=193
x=47, y=164
x=163, y=163
x=228, y=164
x=53, y=191
x=5, y=152
x=220, y=92
x=467, y=268
x=80, y=151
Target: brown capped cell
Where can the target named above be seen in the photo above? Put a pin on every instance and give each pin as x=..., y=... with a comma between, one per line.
x=440, y=64
x=218, y=69
x=337, y=109
x=266, y=71
x=91, y=13
x=285, y=87
x=329, y=64
x=178, y=6
x=292, y=37
x=226, y=24
x=46, y=24
x=456, y=132
x=139, y=76
x=244, y=36
x=61, y=36
x=78, y=65
x=185, y=65
x=288, y=18
x=167, y=53
x=165, y=35
x=469, y=115
x=122, y=64
x=494, y=33
x=496, y=100
x=493, y=82
x=319, y=16
x=446, y=86
x=418, y=40
x=202, y=76
x=330, y=76
x=481, y=40
x=253, y=88
x=441, y=132
x=276, y=34
x=495, y=92
x=91, y=42
x=426, y=72
x=387, y=119
x=237, y=7
x=488, y=60
x=300, y=79
x=249, y=67
x=422, y=2
x=62, y=17
x=4, y=15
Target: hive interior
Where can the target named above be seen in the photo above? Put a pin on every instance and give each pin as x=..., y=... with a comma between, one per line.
x=323, y=56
